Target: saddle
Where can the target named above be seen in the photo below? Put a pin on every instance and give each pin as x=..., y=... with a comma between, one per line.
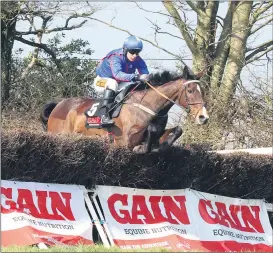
x=93, y=114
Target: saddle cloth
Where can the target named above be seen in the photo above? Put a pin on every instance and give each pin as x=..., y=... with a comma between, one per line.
x=93, y=114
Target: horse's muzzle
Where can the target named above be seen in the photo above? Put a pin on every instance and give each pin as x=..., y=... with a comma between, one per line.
x=202, y=119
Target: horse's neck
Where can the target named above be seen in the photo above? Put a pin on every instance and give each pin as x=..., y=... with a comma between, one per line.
x=156, y=102
x=170, y=90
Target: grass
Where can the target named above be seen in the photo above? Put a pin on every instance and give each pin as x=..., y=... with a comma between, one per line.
x=79, y=248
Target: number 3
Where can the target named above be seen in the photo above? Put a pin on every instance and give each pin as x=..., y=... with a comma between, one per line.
x=93, y=109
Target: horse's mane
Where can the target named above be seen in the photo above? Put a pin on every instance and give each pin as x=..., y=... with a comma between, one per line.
x=166, y=76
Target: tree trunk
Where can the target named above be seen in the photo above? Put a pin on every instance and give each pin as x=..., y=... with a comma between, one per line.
x=8, y=23
x=222, y=51
x=205, y=35
x=236, y=57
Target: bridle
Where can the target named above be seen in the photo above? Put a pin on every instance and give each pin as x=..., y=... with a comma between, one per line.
x=184, y=85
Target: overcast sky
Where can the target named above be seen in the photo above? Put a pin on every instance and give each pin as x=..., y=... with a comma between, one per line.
x=128, y=16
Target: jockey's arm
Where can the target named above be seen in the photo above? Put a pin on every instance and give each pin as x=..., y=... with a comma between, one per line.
x=142, y=67
x=118, y=74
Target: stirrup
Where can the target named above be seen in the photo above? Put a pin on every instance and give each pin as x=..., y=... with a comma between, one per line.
x=107, y=121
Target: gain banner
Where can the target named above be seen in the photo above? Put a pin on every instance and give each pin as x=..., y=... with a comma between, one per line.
x=54, y=214
x=184, y=220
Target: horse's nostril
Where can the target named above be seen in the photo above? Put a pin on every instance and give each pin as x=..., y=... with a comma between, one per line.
x=203, y=119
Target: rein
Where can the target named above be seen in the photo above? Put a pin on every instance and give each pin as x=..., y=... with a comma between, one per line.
x=144, y=108
x=184, y=84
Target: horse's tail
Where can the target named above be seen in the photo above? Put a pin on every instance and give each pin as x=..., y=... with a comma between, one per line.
x=47, y=109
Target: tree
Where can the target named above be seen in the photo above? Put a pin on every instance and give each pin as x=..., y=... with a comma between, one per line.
x=8, y=23
x=30, y=13
x=45, y=82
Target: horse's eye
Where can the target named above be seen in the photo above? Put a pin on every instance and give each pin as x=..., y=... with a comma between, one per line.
x=190, y=91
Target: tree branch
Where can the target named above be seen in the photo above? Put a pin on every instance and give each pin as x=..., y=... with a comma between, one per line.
x=34, y=44
x=259, y=56
x=155, y=12
x=37, y=49
x=169, y=16
x=264, y=16
x=57, y=29
x=195, y=8
x=180, y=24
x=157, y=30
x=264, y=45
x=212, y=8
x=126, y=31
x=260, y=26
x=260, y=11
x=258, y=49
x=200, y=5
x=44, y=47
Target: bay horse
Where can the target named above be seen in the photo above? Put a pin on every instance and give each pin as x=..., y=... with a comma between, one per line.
x=140, y=125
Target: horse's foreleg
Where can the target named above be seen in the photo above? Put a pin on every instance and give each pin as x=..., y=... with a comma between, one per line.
x=168, y=138
x=147, y=146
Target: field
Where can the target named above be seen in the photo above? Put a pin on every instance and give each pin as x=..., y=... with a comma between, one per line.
x=80, y=248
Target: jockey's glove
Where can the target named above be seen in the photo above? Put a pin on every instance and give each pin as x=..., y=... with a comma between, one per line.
x=143, y=77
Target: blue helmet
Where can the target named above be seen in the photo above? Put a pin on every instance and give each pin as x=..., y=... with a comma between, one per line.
x=133, y=42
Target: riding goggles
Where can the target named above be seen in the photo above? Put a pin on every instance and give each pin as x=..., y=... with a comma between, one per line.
x=134, y=51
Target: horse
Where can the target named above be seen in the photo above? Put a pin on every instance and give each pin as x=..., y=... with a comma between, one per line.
x=140, y=125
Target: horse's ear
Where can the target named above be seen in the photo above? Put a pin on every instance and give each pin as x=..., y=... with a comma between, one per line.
x=201, y=73
x=186, y=72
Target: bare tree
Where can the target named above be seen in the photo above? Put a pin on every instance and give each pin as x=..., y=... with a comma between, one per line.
x=31, y=13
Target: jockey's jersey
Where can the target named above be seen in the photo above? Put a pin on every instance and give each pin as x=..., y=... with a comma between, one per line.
x=115, y=65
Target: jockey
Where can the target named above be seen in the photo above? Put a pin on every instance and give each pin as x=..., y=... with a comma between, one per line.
x=119, y=66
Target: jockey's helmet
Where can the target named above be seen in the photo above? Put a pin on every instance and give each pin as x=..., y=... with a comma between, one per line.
x=133, y=42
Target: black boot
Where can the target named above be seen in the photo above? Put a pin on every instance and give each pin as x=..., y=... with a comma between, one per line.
x=107, y=100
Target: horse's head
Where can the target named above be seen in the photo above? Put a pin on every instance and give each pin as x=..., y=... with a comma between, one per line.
x=191, y=98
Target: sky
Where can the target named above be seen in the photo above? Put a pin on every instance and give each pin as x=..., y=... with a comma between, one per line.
x=128, y=16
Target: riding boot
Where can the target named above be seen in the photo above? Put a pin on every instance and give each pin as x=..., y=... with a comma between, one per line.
x=107, y=100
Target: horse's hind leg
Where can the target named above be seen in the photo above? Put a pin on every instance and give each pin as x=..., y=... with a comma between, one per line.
x=147, y=146
x=168, y=138
x=69, y=122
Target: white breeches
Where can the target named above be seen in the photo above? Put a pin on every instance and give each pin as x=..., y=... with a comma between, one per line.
x=101, y=83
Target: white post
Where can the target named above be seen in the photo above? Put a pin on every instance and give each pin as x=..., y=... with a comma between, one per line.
x=101, y=217
x=95, y=218
x=269, y=207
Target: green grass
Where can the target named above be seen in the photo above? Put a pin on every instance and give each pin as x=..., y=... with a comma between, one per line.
x=79, y=248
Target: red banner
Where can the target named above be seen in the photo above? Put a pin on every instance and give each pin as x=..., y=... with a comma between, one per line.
x=184, y=220
x=54, y=214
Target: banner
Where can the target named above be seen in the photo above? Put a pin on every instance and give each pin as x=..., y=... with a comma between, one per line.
x=184, y=220
x=53, y=214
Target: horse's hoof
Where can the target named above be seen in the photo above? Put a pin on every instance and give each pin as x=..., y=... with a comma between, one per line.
x=139, y=149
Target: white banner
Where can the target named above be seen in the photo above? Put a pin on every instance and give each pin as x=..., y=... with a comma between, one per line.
x=184, y=220
x=50, y=213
